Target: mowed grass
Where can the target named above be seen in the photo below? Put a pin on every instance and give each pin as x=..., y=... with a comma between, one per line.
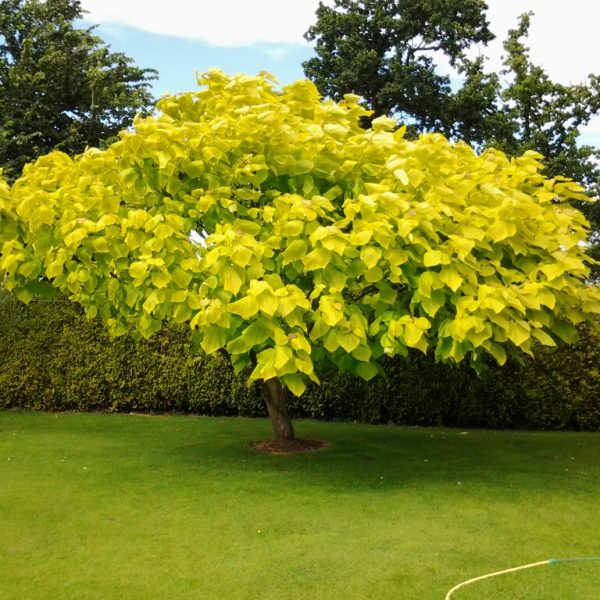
x=118, y=506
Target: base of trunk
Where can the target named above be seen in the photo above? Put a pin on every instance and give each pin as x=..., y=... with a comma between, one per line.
x=276, y=400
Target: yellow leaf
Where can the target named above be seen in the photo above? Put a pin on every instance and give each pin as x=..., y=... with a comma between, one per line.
x=543, y=337
x=415, y=177
x=451, y=278
x=370, y=256
x=362, y=353
x=294, y=251
x=332, y=312
x=299, y=342
x=282, y=355
x=592, y=306
x=213, y=339
x=348, y=341
x=412, y=334
x=151, y=302
x=547, y=298
x=552, y=271
x=246, y=307
x=179, y=296
x=268, y=302
x=316, y=259
x=291, y=228
x=336, y=279
x=431, y=258
x=24, y=295
x=396, y=256
x=359, y=238
x=518, y=333
x=241, y=255
x=401, y=175
x=366, y=370
x=374, y=275
x=181, y=278
x=501, y=230
x=73, y=239
x=295, y=383
x=138, y=269
x=498, y=352
x=428, y=281
x=232, y=282
x=303, y=166
x=160, y=278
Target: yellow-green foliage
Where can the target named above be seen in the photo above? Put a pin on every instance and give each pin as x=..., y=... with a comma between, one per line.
x=53, y=358
x=293, y=239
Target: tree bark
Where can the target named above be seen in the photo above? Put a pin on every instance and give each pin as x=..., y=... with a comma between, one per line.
x=276, y=399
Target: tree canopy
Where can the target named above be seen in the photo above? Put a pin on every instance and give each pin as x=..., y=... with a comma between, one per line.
x=296, y=242
x=384, y=50
x=60, y=86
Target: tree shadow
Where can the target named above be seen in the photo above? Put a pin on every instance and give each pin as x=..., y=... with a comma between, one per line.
x=363, y=457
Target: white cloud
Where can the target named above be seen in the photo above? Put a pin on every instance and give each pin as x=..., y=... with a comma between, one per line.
x=592, y=128
x=228, y=23
x=563, y=36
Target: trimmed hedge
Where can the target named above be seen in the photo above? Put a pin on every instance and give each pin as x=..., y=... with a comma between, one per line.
x=53, y=358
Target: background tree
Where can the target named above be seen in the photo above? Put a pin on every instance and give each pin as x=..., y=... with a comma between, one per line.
x=323, y=247
x=384, y=50
x=60, y=86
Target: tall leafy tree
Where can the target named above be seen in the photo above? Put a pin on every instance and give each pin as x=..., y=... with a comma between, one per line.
x=60, y=86
x=324, y=246
x=385, y=50
x=543, y=115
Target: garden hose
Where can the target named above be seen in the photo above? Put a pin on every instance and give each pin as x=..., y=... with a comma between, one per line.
x=550, y=561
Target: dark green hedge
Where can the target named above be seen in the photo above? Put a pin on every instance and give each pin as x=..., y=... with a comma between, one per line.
x=52, y=358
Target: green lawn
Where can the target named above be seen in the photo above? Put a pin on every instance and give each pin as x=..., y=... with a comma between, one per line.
x=118, y=506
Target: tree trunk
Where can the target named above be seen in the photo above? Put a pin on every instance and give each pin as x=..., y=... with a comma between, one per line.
x=276, y=400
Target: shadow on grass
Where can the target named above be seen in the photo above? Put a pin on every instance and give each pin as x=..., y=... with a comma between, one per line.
x=372, y=457
x=358, y=457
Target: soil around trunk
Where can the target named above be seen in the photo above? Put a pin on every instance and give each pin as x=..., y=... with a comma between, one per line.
x=295, y=446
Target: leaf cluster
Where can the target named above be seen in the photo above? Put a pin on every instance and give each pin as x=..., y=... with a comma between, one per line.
x=296, y=242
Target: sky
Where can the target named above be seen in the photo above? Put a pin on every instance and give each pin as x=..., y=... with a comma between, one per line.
x=180, y=36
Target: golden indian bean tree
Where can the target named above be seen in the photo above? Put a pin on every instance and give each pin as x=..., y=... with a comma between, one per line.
x=293, y=241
